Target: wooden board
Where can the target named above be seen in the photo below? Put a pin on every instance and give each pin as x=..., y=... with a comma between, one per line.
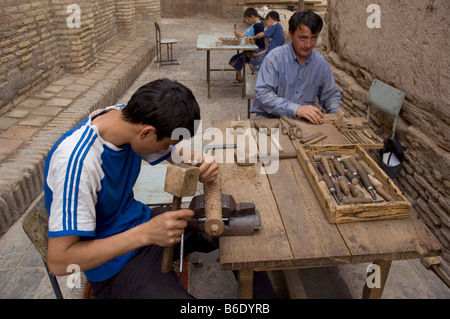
x=388, y=240
x=304, y=221
x=269, y=247
x=300, y=209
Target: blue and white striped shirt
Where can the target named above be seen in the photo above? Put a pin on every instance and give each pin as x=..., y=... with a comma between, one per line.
x=89, y=189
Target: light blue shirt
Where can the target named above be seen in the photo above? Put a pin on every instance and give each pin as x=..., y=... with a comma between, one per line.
x=283, y=84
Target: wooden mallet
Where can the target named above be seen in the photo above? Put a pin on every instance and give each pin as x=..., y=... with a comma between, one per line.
x=181, y=181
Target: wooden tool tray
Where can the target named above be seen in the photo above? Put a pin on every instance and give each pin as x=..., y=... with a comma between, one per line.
x=398, y=208
x=356, y=130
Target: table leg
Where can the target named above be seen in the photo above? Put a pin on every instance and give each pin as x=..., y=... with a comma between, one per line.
x=208, y=70
x=376, y=292
x=243, y=76
x=245, y=284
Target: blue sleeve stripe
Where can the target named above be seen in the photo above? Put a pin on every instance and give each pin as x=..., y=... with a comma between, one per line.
x=59, y=233
x=86, y=150
x=162, y=158
x=65, y=209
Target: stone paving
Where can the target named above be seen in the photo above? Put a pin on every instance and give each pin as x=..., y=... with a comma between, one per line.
x=48, y=114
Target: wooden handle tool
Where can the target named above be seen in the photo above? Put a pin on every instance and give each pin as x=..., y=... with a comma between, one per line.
x=364, y=178
x=181, y=180
x=168, y=251
x=326, y=165
x=298, y=132
x=344, y=186
x=354, y=175
x=380, y=190
x=291, y=132
x=283, y=128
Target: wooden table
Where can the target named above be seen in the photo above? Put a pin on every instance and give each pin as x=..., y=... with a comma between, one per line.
x=276, y=3
x=294, y=230
x=208, y=43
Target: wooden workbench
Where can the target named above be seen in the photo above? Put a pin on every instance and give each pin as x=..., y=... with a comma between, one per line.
x=294, y=230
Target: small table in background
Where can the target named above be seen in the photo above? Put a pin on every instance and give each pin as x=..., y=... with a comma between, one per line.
x=208, y=43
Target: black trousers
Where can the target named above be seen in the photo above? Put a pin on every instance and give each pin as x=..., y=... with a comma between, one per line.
x=142, y=277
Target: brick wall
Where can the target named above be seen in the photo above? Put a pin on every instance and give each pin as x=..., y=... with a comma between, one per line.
x=38, y=46
x=184, y=8
x=148, y=10
x=397, y=54
x=29, y=53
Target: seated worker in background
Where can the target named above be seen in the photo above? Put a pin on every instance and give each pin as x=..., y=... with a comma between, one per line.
x=292, y=76
x=274, y=33
x=256, y=26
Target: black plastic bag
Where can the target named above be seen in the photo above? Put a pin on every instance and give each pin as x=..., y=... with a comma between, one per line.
x=392, y=156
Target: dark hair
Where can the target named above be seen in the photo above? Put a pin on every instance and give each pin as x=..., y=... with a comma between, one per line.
x=308, y=18
x=164, y=104
x=273, y=15
x=251, y=12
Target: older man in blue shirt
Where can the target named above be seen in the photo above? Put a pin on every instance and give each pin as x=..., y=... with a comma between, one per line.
x=292, y=76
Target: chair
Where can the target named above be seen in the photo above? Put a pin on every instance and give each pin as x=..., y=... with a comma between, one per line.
x=164, y=42
x=250, y=83
x=387, y=99
x=35, y=225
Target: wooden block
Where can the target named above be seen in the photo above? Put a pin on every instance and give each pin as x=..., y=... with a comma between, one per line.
x=428, y=262
x=181, y=180
x=238, y=127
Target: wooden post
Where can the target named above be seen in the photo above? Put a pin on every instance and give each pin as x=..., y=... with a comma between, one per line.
x=375, y=293
x=245, y=284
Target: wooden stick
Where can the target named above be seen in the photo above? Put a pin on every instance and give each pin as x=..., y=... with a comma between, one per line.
x=318, y=139
x=310, y=137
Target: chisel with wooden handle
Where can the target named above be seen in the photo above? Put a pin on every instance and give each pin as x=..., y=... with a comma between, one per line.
x=380, y=190
x=349, y=165
x=331, y=188
x=364, y=178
